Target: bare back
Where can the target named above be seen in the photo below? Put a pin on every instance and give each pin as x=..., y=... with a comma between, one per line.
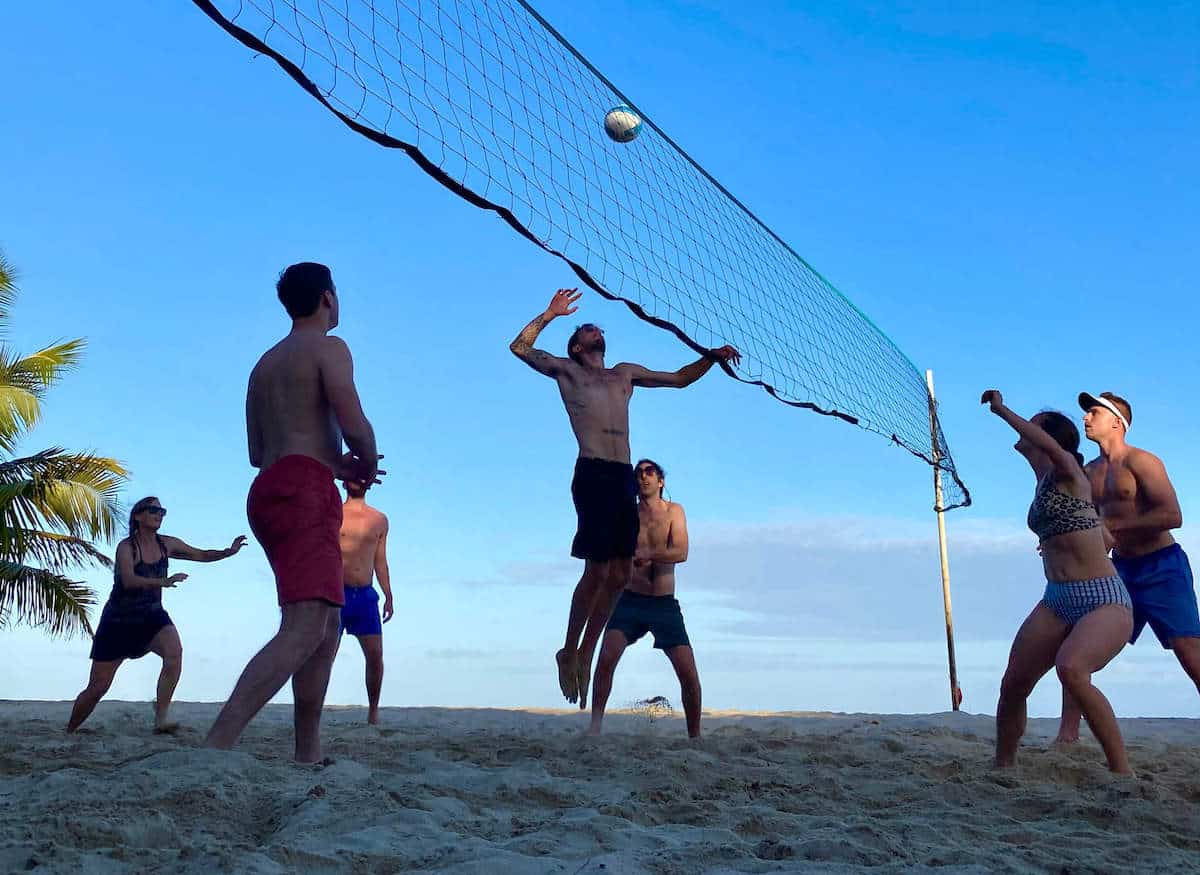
x=362, y=528
x=597, y=403
x=1120, y=500
x=287, y=408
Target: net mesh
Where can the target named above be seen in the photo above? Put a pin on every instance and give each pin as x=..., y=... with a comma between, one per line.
x=496, y=105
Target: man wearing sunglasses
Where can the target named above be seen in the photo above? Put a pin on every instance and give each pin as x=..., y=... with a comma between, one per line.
x=300, y=405
x=648, y=604
x=603, y=489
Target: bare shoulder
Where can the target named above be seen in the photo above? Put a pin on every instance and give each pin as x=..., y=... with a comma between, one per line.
x=332, y=348
x=628, y=370
x=380, y=519
x=675, y=509
x=1139, y=460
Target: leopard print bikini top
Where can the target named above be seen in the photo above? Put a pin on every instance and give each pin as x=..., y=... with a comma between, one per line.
x=1055, y=512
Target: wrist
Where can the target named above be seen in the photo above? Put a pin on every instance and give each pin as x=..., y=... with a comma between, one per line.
x=549, y=316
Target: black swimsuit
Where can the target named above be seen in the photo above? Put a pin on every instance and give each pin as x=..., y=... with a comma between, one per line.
x=132, y=617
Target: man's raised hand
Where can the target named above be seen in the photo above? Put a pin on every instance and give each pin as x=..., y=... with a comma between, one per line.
x=726, y=355
x=564, y=302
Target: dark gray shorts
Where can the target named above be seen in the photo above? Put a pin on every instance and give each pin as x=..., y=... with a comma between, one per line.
x=636, y=614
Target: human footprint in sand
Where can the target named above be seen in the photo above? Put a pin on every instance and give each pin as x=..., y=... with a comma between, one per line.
x=603, y=489
x=1084, y=618
x=134, y=621
x=648, y=604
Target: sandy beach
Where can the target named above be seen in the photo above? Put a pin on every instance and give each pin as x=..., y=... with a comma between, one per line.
x=443, y=790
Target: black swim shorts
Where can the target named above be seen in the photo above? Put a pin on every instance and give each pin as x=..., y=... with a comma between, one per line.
x=605, y=495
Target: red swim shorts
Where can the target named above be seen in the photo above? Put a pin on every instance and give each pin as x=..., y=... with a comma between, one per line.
x=295, y=512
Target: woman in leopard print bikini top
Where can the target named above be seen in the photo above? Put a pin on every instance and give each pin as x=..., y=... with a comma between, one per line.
x=1054, y=512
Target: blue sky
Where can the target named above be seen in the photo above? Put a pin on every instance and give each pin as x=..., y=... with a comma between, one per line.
x=1011, y=195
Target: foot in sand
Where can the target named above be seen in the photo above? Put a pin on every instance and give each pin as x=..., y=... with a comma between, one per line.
x=1066, y=737
x=566, y=674
x=165, y=727
x=373, y=717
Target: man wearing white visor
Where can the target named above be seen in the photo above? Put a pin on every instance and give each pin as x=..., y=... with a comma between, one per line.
x=1138, y=507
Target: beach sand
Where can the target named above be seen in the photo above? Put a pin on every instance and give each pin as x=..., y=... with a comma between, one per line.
x=488, y=791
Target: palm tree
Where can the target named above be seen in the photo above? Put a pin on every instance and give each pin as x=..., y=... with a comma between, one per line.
x=54, y=503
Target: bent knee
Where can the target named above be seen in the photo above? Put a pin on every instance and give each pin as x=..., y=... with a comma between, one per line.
x=1015, y=687
x=1072, y=672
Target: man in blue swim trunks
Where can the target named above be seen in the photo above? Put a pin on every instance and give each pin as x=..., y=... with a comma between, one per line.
x=364, y=556
x=1138, y=506
x=648, y=604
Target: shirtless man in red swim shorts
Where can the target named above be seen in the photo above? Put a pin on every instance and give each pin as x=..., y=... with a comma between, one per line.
x=300, y=405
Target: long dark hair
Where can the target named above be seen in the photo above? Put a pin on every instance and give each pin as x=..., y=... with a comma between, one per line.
x=1062, y=429
x=138, y=507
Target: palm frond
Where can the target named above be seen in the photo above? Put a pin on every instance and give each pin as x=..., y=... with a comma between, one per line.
x=54, y=551
x=40, y=598
x=53, y=489
x=8, y=289
x=20, y=409
x=40, y=370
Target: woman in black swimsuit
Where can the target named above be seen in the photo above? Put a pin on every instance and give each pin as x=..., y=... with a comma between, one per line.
x=133, y=622
x=1084, y=617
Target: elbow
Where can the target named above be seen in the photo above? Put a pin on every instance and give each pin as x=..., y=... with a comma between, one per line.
x=1176, y=521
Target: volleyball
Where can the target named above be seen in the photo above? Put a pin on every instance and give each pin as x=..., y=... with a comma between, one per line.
x=622, y=123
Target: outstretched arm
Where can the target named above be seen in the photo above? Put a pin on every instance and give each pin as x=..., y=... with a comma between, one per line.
x=178, y=549
x=685, y=376
x=1159, y=505
x=562, y=304
x=1064, y=462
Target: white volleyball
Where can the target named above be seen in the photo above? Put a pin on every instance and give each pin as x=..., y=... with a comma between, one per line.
x=622, y=123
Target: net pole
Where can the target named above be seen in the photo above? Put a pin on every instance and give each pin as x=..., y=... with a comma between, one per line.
x=955, y=691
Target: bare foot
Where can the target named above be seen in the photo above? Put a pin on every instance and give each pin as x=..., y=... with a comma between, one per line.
x=1065, y=738
x=594, y=729
x=566, y=674
x=373, y=717
x=167, y=727
x=583, y=677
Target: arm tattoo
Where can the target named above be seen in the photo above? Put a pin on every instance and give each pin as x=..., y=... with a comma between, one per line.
x=524, y=342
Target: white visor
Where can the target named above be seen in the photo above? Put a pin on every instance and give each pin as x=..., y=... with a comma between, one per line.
x=1088, y=401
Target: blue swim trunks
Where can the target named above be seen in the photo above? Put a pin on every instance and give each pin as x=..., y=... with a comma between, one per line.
x=1160, y=584
x=360, y=613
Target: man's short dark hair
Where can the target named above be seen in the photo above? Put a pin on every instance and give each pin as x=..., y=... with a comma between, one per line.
x=301, y=286
x=571, y=341
x=1121, y=404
